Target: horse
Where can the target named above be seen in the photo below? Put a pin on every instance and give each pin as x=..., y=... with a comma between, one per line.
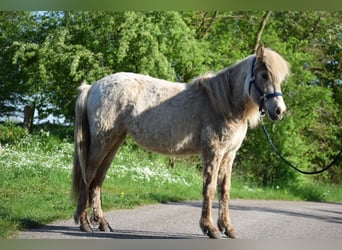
x=208, y=116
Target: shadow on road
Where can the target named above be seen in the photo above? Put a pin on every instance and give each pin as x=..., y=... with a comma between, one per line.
x=318, y=213
x=116, y=234
x=328, y=216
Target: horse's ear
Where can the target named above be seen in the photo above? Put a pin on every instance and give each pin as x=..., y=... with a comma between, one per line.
x=260, y=51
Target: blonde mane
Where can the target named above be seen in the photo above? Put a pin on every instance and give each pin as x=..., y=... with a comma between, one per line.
x=277, y=66
x=228, y=89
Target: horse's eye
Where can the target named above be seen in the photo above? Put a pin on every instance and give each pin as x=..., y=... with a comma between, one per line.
x=264, y=76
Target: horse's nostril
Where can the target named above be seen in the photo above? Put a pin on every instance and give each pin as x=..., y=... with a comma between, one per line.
x=278, y=111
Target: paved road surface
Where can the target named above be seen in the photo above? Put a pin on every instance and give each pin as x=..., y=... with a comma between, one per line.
x=252, y=219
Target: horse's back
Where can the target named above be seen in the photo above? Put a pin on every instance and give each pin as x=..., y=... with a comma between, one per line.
x=129, y=87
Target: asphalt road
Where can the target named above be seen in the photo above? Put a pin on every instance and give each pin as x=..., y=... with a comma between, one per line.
x=252, y=219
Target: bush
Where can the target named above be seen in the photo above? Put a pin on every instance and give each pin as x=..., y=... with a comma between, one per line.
x=309, y=191
x=10, y=133
x=55, y=130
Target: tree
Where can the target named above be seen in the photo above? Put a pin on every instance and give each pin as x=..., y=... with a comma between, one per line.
x=47, y=55
x=69, y=47
x=13, y=26
x=308, y=135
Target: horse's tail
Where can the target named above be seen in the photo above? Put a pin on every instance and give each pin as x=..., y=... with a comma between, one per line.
x=81, y=138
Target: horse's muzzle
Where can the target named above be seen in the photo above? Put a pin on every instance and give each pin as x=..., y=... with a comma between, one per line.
x=277, y=113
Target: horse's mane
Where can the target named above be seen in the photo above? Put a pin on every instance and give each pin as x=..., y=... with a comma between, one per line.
x=277, y=66
x=218, y=87
x=222, y=86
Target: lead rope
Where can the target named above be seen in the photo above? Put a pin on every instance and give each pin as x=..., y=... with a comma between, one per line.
x=289, y=163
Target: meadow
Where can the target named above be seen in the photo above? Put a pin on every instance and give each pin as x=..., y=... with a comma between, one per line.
x=36, y=181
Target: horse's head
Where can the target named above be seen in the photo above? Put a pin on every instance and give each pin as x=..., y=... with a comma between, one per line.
x=269, y=69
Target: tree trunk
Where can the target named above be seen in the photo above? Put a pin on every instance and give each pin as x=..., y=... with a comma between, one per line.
x=204, y=27
x=28, y=116
x=172, y=162
x=261, y=29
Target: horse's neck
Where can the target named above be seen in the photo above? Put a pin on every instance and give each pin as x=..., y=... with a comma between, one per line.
x=251, y=109
x=238, y=76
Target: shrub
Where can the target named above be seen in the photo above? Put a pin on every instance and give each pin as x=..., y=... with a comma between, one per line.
x=309, y=191
x=10, y=133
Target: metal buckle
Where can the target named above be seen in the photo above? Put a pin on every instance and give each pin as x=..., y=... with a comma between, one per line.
x=262, y=113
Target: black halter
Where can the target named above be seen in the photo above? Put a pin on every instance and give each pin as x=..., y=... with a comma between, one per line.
x=263, y=96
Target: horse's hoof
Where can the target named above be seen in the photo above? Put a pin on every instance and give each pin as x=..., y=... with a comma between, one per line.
x=86, y=228
x=94, y=220
x=105, y=228
x=214, y=235
x=230, y=234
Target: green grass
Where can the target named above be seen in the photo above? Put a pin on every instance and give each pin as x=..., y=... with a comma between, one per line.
x=36, y=180
x=34, y=184
x=305, y=191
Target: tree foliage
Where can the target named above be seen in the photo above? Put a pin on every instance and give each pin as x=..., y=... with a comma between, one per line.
x=46, y=55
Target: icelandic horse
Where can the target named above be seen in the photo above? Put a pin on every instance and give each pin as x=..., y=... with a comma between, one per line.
x=209, y=116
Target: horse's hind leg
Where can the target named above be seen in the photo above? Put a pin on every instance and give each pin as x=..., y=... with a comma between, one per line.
x=224, y=178
x=81, y=211
x=97, y=216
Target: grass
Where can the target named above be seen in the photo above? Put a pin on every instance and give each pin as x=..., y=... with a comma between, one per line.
x=34, y=184
x=36, y=176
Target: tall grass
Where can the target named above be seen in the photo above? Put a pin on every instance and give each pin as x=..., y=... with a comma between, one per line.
x=36, y=180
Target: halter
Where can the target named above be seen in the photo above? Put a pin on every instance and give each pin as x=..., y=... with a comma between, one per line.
x=263, y=96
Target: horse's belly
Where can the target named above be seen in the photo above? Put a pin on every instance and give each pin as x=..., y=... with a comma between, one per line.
x=166, y=142
x=173, y=150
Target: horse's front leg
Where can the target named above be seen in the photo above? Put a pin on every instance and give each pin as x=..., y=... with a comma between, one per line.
x=210, y=172
x=224, y=181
